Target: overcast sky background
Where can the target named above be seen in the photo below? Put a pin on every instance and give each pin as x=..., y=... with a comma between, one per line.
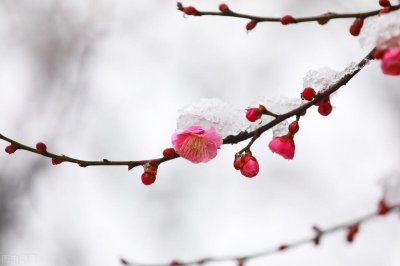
x=105, y=78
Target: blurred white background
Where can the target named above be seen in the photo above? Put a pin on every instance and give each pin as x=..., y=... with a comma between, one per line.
x=105, y=78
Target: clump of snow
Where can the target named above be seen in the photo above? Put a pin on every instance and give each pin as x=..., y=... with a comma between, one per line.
x=381, y=31
x=321, y=79
x=279, y=105
x=391, y=188
x=230, y=120
x=225, y=118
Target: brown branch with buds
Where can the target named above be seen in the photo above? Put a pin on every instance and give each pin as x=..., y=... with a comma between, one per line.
x=225, y=11
x=351, y=227
x=231, y=139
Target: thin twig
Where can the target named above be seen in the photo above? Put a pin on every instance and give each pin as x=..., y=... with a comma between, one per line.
x=326, y=16
x=279, y=248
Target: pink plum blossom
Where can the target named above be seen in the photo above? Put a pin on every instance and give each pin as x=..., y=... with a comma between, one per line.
x=196, y=144
x=283, y=146
x=250, y=167
x=391, y=62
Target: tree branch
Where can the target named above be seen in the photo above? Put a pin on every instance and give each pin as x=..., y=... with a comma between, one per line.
x=326, y=16
x=315, y=239
x=231, y=139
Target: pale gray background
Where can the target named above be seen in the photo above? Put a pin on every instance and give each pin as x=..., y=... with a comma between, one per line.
x=104, y=78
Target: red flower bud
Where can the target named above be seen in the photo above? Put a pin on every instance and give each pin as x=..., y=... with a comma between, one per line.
x=324, y=106
x=56, y=161
x=41, y=147
x=190, y=11
x=282, y=247
x=323, y=21
x=285, y=20
x=250, y=167
x=384, y=10
x=251, y=25
x=294, y=127
x=352, y=232
x=238, y=162
x=148, y=179
x=10, y=149
x=224, y=8
x=355, y=28
x=169, y=153
x=384, y=3
x=174, y=263
x=308, y=94
x=253, y=114
x=383, y=208
x=378, y=54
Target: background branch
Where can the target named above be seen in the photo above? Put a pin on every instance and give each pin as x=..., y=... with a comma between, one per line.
x=315, y=239
x=326, y=16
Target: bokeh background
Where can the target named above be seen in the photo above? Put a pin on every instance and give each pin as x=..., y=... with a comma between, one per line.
x=104, y=79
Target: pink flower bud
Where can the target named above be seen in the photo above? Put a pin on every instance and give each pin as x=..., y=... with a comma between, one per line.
x=250, y=166
x=197, y=144
x=253, y=114
x=391, y=62
x=283, y=146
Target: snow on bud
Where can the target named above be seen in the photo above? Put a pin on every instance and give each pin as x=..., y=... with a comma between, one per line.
x=224, y=8
x=391, y=188
x=283, y=146
x=250, y=166
x=390, y=64
x=285, y=20
x=196, y=144
x=150, y=172
x=10, y=149
x=251, y=25
x=41, y=147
